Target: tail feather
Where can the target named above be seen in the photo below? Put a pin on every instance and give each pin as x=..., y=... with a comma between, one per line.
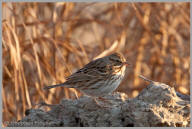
x=53, y=86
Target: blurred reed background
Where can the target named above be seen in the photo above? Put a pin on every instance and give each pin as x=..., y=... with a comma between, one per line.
x=45, y=42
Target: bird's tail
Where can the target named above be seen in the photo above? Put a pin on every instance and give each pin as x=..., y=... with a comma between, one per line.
x=53, y=86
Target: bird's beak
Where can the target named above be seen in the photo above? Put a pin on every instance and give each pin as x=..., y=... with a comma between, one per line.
x=126, y=63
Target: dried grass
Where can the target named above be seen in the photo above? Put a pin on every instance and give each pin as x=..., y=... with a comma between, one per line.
x=45, y=42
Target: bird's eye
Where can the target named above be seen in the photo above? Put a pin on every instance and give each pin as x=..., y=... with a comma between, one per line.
x=118, y=63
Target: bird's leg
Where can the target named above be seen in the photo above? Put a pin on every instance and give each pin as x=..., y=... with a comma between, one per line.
x=104, y=100
x=99, y=104
x=95, y=99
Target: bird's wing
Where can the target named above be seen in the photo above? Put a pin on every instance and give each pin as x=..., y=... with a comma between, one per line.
x=91, y=71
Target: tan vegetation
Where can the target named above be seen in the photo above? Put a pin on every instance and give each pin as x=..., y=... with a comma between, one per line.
x=45, y=42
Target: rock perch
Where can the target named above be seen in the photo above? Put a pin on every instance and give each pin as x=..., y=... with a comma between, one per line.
x=156, y=105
